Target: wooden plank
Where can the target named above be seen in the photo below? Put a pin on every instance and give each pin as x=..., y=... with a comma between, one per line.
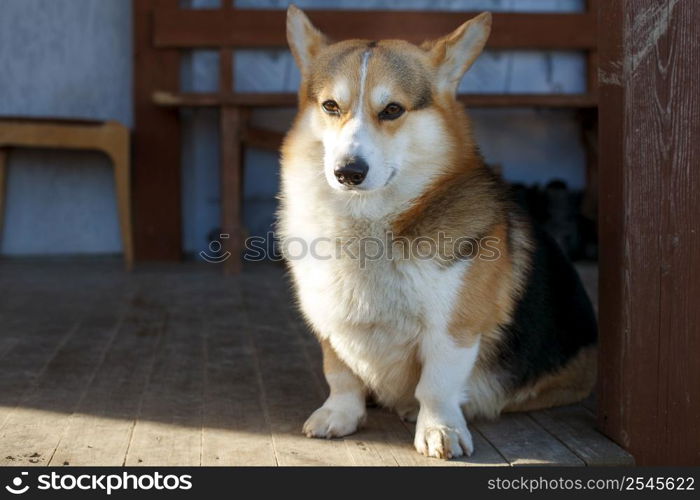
x=231, y=126
x=156, y=141
x=100, y=429
x=100, y=136
x=177, y=100
x=252, y=370
x=523, y=442
x=649, y=396
x=235, y=429
x=263, y=139
x=169, y=426
x=589, y=130
x=574, y=426
x=25, y=361
x=20, y=318
x=613, y=316
x=32, y=431
x=592, y=7
x=226, y=71
x=590, y=404
x=266, y=28
x=42, y=327
x=288, y=100
x=3, y=187
x=7, y=343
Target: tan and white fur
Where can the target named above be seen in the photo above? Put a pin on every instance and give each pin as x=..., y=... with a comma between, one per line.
x=422, y=336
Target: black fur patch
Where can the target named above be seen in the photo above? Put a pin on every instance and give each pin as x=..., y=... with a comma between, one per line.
x=553, y=320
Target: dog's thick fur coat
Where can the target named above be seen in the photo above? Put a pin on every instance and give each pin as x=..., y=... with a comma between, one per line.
x=498, y=322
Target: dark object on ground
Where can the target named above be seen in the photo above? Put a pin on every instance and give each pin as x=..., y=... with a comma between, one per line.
x=558, y=210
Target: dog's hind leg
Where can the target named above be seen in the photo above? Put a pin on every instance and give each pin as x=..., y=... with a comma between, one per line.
x=344, y=410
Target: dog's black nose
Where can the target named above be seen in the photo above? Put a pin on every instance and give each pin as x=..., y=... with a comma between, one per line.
x=352, y=172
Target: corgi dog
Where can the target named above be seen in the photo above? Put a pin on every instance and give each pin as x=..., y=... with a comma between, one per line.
x=427, y=287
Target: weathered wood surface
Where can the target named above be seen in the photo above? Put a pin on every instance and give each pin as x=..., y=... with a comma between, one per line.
x=181, y=365
x=231, y=123
x=574, y=426
x=649, y=392
x=522, y=441
x=100, y=429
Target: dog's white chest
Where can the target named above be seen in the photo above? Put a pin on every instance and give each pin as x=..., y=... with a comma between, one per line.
x=375, y=313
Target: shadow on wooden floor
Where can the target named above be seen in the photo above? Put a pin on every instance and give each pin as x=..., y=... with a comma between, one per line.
x=179, y=365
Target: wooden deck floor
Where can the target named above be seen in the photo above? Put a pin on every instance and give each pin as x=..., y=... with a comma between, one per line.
x=178, y=365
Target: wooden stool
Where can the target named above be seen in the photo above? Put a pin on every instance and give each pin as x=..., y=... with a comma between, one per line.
x=111, y=138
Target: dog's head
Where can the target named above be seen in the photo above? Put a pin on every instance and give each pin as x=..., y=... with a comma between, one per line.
x=381, y=109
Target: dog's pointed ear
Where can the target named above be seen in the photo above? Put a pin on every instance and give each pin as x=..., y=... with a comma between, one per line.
x=304, y=39
x=455, y=53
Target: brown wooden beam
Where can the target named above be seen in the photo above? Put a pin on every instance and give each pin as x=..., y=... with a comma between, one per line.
x=255, y=99
x=649, y=390
x=231, y=125
x=226, y=71
x=592, y=7
x=174, y=28
x=263, y=139
x=156, y=143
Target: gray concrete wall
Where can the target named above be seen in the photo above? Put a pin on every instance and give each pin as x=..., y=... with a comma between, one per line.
x=63, y=58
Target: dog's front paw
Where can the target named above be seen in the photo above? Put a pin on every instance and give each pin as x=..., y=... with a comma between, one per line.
x=330, y=422
x=442, y=441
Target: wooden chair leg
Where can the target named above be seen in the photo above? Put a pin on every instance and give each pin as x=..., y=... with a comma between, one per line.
x=3, y=189
x=122, y=179
x=231, y=122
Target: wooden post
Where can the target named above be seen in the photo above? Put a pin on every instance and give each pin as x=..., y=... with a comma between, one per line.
x=232, y=123
x=156, y=143
x=649, y=394
x=588, y=118
x=3, y=187
x=231, y=189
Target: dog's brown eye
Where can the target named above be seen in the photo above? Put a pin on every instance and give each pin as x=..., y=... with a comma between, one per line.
x=391, y=112
x=331, y=107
